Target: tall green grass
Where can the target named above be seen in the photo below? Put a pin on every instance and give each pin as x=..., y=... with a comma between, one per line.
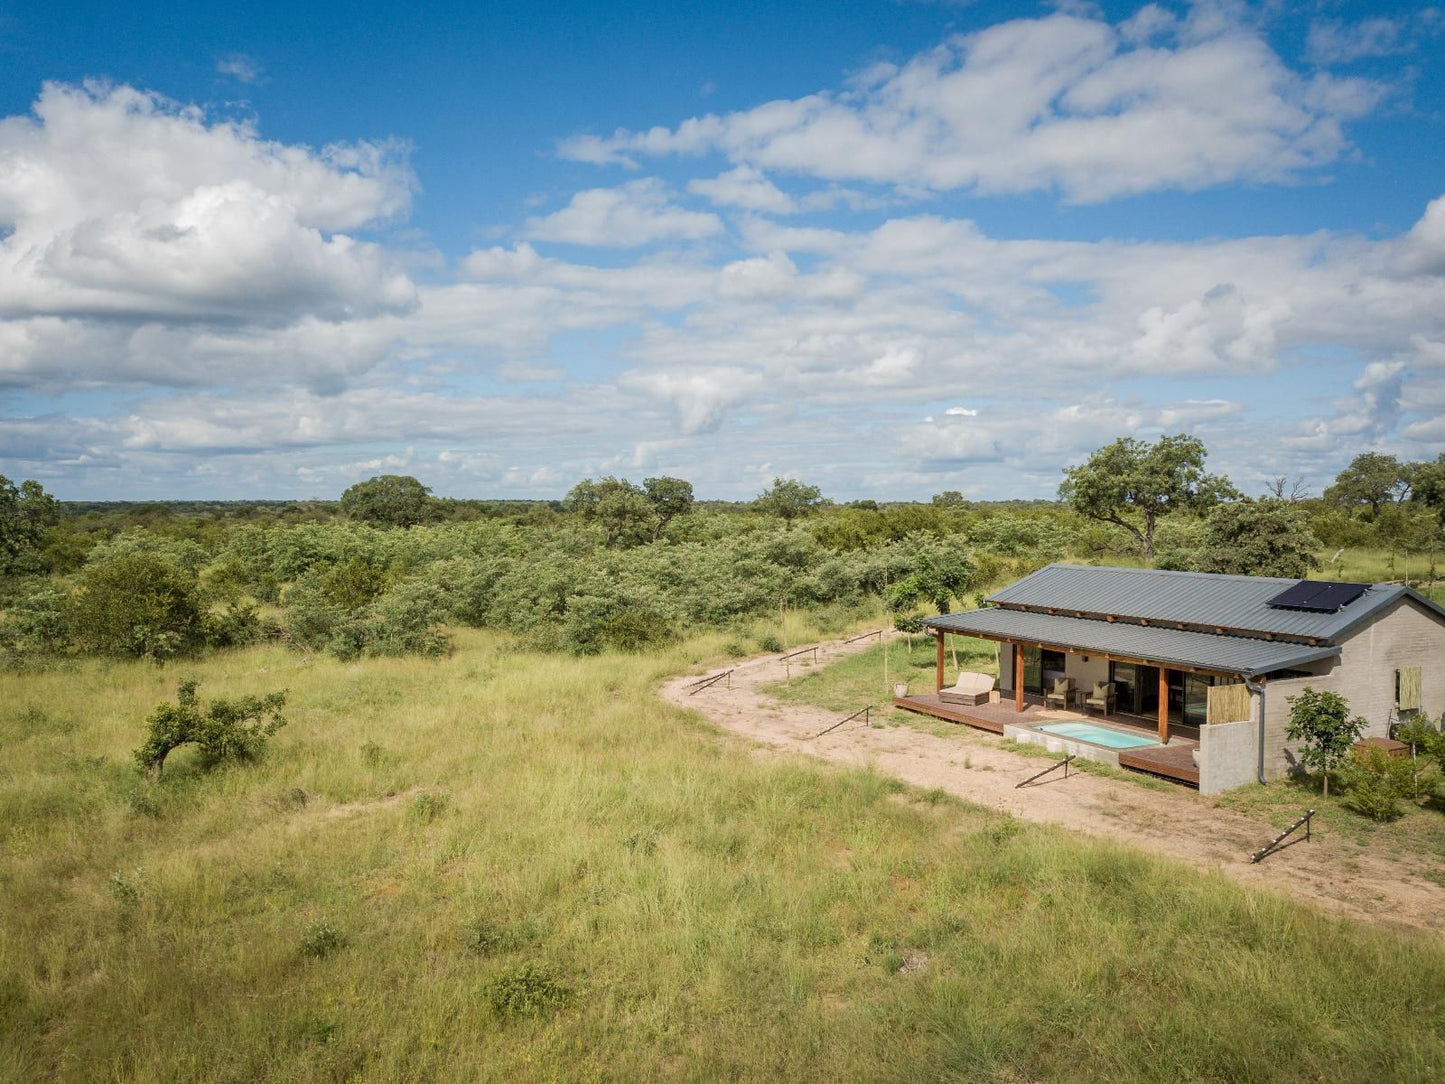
x=510, y=866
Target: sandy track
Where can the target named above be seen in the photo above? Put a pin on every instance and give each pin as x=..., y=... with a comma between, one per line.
x=1330, y=872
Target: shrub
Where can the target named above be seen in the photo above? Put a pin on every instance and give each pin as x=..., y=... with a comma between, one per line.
x=35, y=623
x=427, y=807
x=770, y=642
x=528, y=990
x=136, y=604
x=320, y=939
x=1375, y=782
x=226, y=730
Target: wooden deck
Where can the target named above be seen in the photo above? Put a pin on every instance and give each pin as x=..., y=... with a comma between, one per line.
x=990, y=717
x=1174, y=761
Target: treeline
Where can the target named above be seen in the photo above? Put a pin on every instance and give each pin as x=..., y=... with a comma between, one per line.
x=621, y=564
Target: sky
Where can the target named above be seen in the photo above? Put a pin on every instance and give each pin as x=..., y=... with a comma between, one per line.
x=889, y=248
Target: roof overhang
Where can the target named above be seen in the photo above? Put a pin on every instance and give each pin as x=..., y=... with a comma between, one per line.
x=1240, y=656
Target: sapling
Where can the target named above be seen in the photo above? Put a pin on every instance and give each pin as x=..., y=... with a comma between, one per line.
x=1322, y=721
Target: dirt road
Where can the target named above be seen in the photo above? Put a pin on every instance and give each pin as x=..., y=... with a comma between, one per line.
x=1329, y=871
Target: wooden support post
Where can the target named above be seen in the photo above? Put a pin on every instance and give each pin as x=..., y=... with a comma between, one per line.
x=1163, y=706
x=938, y=676
x=1018, y=677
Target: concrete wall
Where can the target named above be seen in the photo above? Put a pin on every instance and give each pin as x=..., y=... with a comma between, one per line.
x=1405, y=635
x=1227, y=755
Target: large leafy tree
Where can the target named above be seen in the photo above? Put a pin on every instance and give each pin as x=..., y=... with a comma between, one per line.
x=1135, y=484
x=670, y=497
x=788, y=499
x=1269, y=537
x=621, y=508
x=388, y=500
x=1373, y=479
x=26, y=511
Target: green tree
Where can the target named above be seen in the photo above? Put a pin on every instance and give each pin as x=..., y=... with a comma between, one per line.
x=1428, y=485
x=25, y=511
x=788, y=499
x=226, y=730
x=388, y=500
x=623, y=510
x=670, y=498
x=137, y=604
x=1373, y=479
x=1267, y=537
x=942, y=571
x=1322, y=721
x=1134, y=484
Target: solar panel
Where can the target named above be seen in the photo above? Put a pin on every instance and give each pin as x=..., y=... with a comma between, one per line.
x=1318, y=596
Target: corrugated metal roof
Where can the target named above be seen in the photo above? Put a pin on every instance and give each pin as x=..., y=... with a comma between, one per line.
x=1196, y=598
x=1170, y=647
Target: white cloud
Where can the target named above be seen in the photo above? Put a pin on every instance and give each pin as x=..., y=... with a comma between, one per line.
x=1066, y=102
x=1332, y=41
x=123, y=205
x=634, y=214
x=961, y=412
x=240, y=67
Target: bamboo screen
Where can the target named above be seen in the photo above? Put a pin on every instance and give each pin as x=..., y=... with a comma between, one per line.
x=1228, y=704
x=1407, y=682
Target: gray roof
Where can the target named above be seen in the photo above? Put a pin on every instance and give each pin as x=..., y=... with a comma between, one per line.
x=1195, y=598
x=1170, y=647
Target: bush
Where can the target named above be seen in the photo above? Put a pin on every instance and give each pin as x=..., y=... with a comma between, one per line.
x=137, y=604
x=770, y=642
x=227, y=730
x=320, y=939
x=528, y=990
x=1375, y=782
x=35, y=623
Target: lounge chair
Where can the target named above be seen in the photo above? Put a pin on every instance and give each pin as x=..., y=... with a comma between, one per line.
x=971, y=689
x=1060, y=694
x=1103, y=697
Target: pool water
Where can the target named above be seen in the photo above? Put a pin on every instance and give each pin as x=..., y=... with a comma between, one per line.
x=1099, y=735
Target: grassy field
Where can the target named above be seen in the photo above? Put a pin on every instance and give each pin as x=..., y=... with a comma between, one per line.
x=511, y=866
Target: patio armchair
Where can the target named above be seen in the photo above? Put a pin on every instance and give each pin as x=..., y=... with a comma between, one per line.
x=1103, y=697
x=971, y=689
x=1061, y=694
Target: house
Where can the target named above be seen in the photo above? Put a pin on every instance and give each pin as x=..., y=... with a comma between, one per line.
x=1200, y=667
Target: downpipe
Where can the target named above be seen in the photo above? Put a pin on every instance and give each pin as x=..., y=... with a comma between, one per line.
x=1254, y=688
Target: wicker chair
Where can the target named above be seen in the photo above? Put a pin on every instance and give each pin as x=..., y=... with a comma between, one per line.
x=1060, y=694
x=1104, y=697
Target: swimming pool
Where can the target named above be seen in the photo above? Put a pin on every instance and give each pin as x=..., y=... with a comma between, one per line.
x=1099, y=735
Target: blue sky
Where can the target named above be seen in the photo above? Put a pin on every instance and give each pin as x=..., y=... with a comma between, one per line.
x=890, y=248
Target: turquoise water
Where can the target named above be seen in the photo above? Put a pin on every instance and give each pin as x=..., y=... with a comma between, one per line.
x=1099, y=735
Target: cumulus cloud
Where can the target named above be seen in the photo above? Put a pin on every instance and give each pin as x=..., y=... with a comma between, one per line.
x=1065, y=102
x=122, y=205
x=634, y=214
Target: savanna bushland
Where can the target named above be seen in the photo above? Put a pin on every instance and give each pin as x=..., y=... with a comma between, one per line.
x=480, y=847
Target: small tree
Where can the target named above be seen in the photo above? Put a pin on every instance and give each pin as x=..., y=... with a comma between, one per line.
x=1322, y=721
x=1135, y=484
x=226, y=730
x=1268, y=537
x=388, y=500
x=25, y=511
x=788, y=499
